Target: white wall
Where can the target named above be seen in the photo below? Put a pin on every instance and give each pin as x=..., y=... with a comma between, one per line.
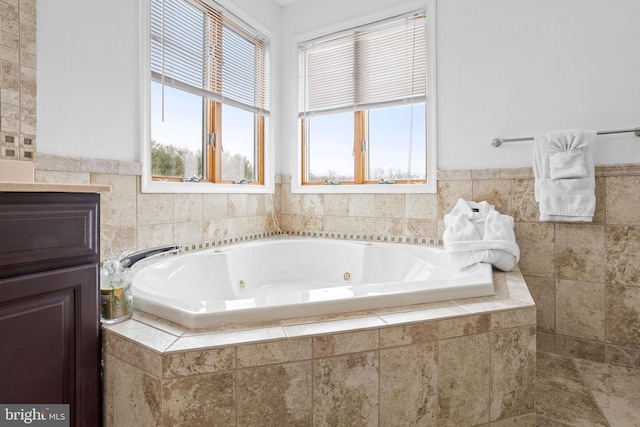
x=88, y=73
x=506, y=68
x=88, y=78
x=510, y=68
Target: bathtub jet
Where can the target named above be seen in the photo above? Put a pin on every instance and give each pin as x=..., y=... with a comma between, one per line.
x=282, y=278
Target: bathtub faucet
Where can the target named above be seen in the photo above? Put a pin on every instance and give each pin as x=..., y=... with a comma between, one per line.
x=129, y=260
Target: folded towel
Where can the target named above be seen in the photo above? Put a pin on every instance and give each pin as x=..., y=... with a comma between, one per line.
x=563, y=167
x=566, y=159
x=476, y=232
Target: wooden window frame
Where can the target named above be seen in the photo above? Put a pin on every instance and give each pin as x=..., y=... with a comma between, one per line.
x=360, y=153
x=212, y=144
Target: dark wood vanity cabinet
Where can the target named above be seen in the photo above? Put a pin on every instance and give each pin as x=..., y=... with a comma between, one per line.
x=49, y=321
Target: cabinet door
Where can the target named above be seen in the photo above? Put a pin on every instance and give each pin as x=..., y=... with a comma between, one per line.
x=48, y=349
x=41, y=232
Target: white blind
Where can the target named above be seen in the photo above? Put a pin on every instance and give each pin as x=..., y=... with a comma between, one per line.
x=205, y=51
x=377, y=65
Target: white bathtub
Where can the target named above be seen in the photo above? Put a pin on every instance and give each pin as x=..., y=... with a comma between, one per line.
x=294, y=277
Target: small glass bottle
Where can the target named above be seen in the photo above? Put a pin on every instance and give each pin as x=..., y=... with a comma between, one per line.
x=116, y=299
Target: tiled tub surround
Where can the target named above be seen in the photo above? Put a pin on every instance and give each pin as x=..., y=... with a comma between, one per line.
x=463, y=362
x=18, y=79
x=585, y=278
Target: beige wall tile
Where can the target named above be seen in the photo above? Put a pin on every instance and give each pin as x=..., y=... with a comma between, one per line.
x=336, y=204
x=150, y=236
x=187, y=207
x=259, y=204
x=466, y=325
x=351, y=380
x=117, y=207
x=199, y=400
x=115, y=241
x=409, y=334
x=408, y=384
x=546, y=342
x=352, y=342
x=422, y=227
x=154, y=208
x=450, y=191
x=312, y=204
x=276, y=395
x=389, y=226
x=311, y=223
x=623, y=255
x=60, y=177
x=188, y=232
x=336, y=224
x=623, y=315
x=537, y=247
x=363, y=226
x=623, y=199
x=214, y=206
x=141, y=406
x=362, y=205
x=494, y=191
x=600, y=214
x=290, y=204
x=543, y=290
x=580, y=348
x=390, y=205
x=421, y=206
x=274, y=352
x=513, y=372
x=237, y=205
x=136, y=355
x=463, y=381
x=524, y=205
x=580, y=253
x=215, y=229
x=109, y=367
x=48, y=162
x=580, y=309
x=99, y=166
x=513, y=318
x=198, y=362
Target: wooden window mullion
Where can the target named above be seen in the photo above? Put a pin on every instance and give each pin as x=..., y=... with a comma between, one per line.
x=359, y=153
x=215, y=127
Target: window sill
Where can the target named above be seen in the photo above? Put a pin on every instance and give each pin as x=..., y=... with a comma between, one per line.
x=149, y=186
x=365, y=189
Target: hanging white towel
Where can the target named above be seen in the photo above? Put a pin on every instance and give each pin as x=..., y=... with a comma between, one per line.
x=564, y=170
x=476, y=232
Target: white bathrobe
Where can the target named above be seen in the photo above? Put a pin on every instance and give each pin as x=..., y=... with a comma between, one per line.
x=476, y=232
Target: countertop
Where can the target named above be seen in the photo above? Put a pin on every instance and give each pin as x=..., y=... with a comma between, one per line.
x=52, y=188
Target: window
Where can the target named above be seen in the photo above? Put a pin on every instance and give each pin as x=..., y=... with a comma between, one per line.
x=209, y=95
x=363, y=104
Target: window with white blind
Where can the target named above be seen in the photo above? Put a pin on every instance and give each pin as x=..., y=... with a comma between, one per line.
x=363, y=104
x=209, y=94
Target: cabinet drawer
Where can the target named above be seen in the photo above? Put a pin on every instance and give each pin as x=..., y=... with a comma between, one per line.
x=40, y=231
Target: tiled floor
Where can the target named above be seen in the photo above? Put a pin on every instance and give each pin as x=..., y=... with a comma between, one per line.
x=575, y=392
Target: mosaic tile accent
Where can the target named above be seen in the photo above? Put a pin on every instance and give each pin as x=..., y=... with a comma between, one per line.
x=18, y=80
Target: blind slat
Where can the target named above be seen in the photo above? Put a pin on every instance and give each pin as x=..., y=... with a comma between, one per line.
x=202, y=50
x=377, y=65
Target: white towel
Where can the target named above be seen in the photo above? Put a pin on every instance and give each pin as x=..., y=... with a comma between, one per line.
x=476, y=232
x=563, y=166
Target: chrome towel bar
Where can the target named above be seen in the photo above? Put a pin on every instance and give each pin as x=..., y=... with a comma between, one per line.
x=497, y=142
